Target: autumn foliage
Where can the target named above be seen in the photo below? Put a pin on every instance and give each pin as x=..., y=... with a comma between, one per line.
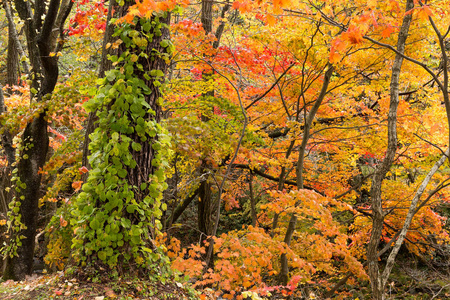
x=236, y=107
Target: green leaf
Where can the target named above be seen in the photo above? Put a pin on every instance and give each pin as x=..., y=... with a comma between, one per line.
x=131, y=208
x=95, y=224
x=122, y=173
x=102, y=255
x=164, y=43
x=136, y=146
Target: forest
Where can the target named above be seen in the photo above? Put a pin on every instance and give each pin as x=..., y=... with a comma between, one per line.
x=246, y=149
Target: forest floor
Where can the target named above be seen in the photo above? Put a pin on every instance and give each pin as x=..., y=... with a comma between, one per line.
x=408, y=282
x=57, y=286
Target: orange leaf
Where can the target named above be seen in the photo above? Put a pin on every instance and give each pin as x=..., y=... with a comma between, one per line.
x=387, y=31
x=77, y=185
x=425, y=12
x=242, y=5
x=353, y=35
x=271, y=20
x=62, y=222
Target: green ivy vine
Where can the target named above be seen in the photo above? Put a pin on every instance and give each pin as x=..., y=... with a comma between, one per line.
x=15, y=226
x=111, y=226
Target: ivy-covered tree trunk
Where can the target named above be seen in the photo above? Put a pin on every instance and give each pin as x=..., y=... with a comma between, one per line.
x=119, y=208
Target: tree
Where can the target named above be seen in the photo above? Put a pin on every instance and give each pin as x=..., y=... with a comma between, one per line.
x=117, y=214
x=39, y=26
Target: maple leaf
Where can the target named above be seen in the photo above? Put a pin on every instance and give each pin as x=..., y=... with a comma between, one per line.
x=242, y=5
x=271, y=20
x=424, y=12
x=353, y=35
x=334, y=56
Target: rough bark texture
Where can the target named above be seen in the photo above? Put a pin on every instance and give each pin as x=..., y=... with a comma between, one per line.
x=14, y=46
x=5, y=182
x=376, y=280
x=143, y=158
x=12, y=61
x=206, y=205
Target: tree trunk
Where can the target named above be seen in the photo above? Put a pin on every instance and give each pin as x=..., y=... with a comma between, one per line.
x=205, y=214
x=15, y=49
x=129, y=143
x=300, y=163
x=105, y=65
x=34, y=145
x=376, y=280
x=12, y=62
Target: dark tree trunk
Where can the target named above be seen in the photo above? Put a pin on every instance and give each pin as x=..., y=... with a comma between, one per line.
x=5, y=178
x=141, y=175
x=44, y=74
x=22, y=264
x=206, y=207
x=12, y=62
x=143, y=158
x=15, y=49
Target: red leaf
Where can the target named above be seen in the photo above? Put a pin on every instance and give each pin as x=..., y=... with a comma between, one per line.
x=83, y=170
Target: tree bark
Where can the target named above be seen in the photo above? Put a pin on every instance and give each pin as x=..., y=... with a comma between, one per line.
x=12, y=61
x=14, y=46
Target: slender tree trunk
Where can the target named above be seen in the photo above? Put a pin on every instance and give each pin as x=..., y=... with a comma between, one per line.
x=252, y=199
x=5, y=178
x=205, y=201
x=376, y=279
x=206, y=204
x=15, y=47
x=105, y=65
x=300, y=163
